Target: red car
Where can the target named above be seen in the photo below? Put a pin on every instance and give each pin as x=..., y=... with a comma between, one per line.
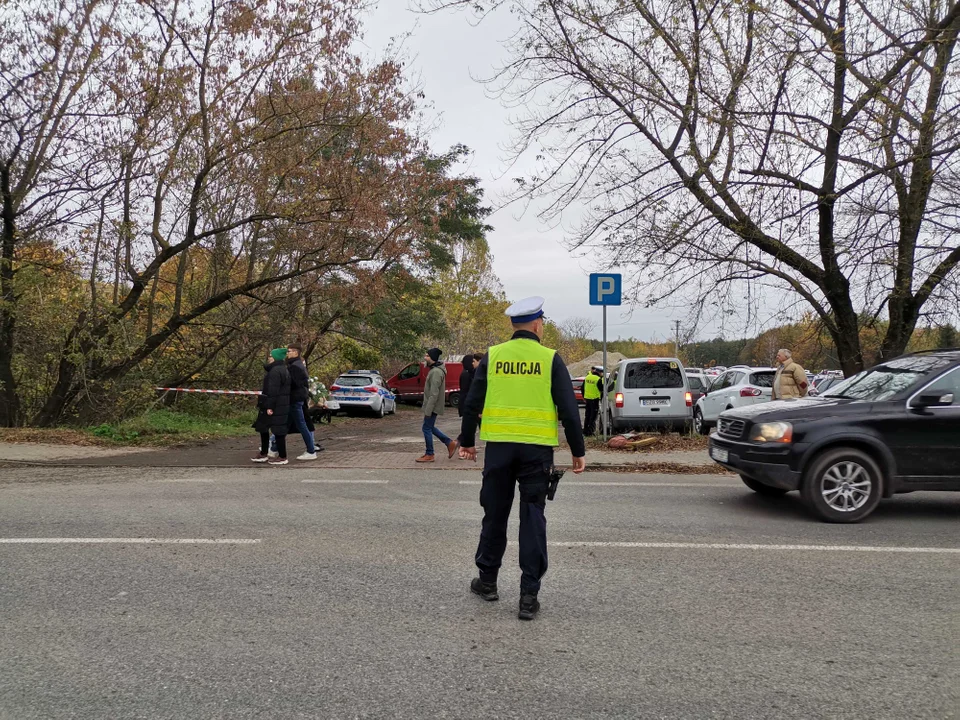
x=578, y=390
x=407, y=384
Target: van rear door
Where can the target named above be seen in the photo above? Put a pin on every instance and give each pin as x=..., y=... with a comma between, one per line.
x=655, y=389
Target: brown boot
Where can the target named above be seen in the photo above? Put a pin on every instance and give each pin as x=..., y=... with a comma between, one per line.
x=425, y=459
x=452, y=448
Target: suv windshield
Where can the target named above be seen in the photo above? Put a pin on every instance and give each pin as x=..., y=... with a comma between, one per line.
x=354, y=381
x=652, y=375
x=887, y=380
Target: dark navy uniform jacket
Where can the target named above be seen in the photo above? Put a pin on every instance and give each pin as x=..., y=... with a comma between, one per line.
x=561, y=388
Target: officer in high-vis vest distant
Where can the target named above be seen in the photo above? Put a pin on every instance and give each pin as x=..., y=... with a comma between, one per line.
x=592, y=384
x=522, y=389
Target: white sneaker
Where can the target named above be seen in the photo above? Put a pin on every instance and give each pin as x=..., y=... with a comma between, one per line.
x=307, y=456
x=273, y=454
x=279, y=462
x=259, y=459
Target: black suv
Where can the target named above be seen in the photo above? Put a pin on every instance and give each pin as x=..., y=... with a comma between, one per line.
x=892, y=429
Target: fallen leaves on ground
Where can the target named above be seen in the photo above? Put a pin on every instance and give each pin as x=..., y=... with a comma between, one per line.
x=54, y=436
x=652, y=443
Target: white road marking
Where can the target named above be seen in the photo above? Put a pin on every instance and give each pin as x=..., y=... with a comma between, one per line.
x=347, y=482
x=749, y=546
x=196, y=480
x=601, y=483
x=129, y=541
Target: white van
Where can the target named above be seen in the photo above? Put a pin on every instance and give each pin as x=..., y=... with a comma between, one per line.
x=649, y=394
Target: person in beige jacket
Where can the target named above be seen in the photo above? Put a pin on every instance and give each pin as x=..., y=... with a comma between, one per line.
x=790, y=380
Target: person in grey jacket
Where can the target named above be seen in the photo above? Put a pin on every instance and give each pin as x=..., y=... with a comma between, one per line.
x=434, y=398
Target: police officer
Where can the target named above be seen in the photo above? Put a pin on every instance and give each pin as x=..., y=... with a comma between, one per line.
x=592, y=385
x=521, y=388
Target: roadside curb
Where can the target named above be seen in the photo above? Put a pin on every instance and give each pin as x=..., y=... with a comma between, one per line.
x=637, y=469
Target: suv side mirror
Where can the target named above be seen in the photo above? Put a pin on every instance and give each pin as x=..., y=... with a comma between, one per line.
x=929, y=401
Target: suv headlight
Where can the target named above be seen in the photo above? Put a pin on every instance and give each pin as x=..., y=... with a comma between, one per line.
x=779, y=432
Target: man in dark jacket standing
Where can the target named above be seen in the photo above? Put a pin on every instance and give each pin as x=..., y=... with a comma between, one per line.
x=299, y=393
x=274, y=408
x=434, y=398
x=522, y=389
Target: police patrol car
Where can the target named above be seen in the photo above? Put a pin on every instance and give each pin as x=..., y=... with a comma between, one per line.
x=364, y=390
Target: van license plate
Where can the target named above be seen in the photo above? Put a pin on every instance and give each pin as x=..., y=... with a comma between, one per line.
x=720, y=455
x=659, y=402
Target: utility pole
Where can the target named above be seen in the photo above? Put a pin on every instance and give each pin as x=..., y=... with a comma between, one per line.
x=676, y=340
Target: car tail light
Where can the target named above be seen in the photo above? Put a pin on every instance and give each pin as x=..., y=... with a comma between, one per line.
x=651, y=361
x=371, y=388
x=750, y=392
x=334, y=388
x=689, y=398
x=619, y=400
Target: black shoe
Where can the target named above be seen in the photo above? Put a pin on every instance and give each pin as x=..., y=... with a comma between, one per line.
x=529, y=606
x=488, y=591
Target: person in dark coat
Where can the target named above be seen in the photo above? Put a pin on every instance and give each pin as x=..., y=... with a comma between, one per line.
x=299, y=421
x=274, y=408
x=470, y=363
x=466, y=377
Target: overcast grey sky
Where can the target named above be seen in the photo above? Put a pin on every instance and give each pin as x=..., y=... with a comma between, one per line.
x=446, y=53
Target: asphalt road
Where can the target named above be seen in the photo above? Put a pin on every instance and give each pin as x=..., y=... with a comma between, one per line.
x=350, y=600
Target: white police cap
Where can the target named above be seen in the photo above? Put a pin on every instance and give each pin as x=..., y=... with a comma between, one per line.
x=526, y=310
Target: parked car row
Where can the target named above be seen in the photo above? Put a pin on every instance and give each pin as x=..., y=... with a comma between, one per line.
x=737, y=387
x=366, y=391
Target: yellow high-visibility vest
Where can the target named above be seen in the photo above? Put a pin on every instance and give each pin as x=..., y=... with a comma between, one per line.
x=590, y=389
x=518, y=406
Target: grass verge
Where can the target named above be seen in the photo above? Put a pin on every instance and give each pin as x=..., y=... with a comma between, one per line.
x=157, y=428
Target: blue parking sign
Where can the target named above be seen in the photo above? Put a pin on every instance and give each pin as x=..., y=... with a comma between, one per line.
x=605, y=288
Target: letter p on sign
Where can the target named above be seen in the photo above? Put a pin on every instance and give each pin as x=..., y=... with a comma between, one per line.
x=605, y=289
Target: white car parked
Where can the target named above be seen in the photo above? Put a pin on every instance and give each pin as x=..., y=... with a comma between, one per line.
x=363, y=390
x=737, y=387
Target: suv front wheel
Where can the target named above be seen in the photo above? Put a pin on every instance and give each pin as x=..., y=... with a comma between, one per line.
x=843, y=486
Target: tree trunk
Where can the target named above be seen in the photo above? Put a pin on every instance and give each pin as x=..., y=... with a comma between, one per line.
x=9, y=398
x=62, y=394
x=903, y=323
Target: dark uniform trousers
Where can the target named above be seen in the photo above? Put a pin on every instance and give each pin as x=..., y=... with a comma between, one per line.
x=505, y=465
x=590, y=416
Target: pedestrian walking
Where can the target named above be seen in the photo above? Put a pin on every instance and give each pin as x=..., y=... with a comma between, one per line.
x=434, y=398
x=592, y=390
x=299, y=394
x=273, y=408
x=791, y=379
x=522, y=389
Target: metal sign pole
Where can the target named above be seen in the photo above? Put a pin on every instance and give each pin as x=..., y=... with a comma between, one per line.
x=605, y=289
x=603, y=374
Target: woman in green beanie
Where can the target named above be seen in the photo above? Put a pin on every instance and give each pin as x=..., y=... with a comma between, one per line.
x=274, y=407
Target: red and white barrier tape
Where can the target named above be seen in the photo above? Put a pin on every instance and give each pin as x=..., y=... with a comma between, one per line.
x=213, y=392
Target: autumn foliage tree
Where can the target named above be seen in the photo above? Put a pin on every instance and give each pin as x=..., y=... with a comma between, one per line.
x=203, y=169
x=808, y=147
